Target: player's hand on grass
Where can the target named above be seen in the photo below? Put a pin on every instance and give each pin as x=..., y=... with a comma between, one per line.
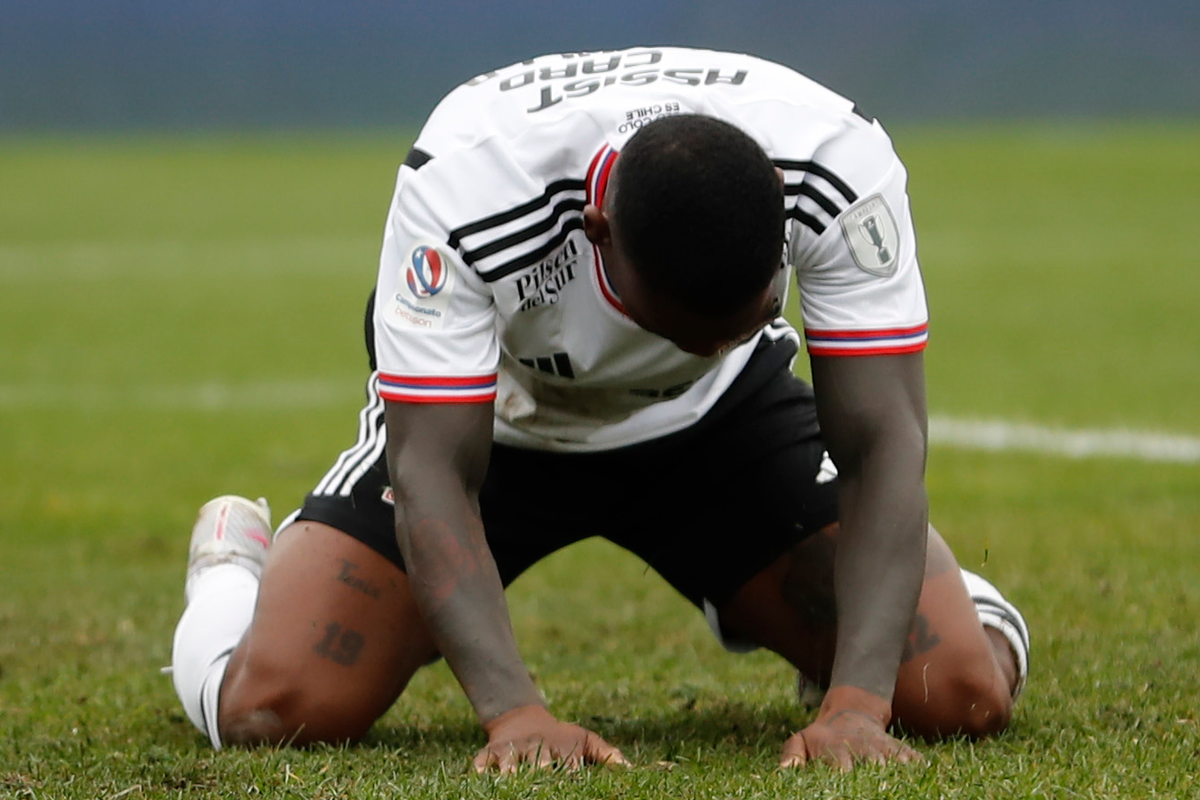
x=531, y=735
x=851, y=727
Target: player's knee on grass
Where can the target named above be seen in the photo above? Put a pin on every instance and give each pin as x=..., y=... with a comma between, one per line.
x=972, y=698
x=262, y=705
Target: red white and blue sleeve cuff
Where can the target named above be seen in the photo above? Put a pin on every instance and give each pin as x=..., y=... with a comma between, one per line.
x=426, y=389
x=886, y=341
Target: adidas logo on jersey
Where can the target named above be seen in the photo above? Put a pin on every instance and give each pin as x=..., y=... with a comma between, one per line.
x=556, y=364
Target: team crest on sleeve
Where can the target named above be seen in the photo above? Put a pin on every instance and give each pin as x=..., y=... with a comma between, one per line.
x=871, y=233
x=424, y=289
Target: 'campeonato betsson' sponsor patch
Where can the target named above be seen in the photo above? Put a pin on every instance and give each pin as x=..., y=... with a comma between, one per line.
x=425, y=285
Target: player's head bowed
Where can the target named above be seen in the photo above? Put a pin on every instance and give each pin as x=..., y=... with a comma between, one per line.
x=699, y=209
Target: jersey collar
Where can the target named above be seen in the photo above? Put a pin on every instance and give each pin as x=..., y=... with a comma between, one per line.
x=597, y=185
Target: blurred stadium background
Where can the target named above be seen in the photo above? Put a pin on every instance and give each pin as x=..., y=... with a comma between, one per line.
x=1057, y=145
x=118, y=64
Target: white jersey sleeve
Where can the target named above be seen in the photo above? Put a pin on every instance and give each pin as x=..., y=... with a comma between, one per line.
x=435, y=326
x=860, y=287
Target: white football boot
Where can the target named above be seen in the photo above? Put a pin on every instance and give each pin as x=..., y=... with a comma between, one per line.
x=230, y=530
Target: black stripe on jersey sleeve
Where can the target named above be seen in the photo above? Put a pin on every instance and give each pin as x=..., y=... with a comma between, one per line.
x=534, y=256
x=816, y=169
x=417, y=158
x=560, y=208
x=806, y=219
x=565, y=185
x=806, y=189
x=812, y=193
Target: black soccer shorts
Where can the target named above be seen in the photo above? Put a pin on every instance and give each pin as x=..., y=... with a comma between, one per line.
x=707, y=507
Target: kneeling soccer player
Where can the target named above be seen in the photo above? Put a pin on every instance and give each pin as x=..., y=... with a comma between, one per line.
x=580, y=289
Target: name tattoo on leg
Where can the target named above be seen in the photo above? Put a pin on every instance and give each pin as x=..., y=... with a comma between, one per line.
x=348, y=577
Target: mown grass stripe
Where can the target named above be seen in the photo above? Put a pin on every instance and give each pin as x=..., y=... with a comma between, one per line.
x=946, y=431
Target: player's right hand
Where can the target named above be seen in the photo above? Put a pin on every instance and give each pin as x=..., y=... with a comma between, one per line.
x=851, y=727
x=531, y=735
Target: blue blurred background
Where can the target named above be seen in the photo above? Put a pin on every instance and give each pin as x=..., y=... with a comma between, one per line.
x=220, y=64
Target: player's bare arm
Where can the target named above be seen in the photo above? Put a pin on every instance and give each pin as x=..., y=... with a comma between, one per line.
x=872, y=410
x=437, y=459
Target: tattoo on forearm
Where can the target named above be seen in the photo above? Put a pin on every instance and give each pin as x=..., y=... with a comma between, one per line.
x=341, y=646
x=459, y=564
x=920, y=639
x=348, y=577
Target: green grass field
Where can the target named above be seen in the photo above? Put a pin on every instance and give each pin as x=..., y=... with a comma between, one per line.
x=180, y=318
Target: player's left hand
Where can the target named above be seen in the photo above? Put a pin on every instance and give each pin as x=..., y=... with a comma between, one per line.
x=530, y=735
x=851, y=727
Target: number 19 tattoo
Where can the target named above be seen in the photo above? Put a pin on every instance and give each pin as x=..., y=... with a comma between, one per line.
x=340, y=646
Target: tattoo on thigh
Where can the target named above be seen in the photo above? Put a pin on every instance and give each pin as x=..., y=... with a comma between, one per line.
x=920, y=639
x=348, y=577
x=340, y=646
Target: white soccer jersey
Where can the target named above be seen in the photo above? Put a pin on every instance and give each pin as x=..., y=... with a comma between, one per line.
x=488, y=289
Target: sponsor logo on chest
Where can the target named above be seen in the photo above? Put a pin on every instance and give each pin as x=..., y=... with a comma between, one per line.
x=542, y=284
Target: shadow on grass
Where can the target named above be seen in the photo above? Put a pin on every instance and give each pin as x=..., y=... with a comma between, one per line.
x=722, y=730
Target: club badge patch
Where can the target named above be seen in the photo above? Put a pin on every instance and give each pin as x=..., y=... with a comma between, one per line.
x=871, y=232
x=424, y=289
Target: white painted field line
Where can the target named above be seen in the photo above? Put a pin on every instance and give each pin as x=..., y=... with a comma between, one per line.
x=1005, y=436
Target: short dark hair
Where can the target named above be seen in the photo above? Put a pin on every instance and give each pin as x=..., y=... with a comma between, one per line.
x=699, y=209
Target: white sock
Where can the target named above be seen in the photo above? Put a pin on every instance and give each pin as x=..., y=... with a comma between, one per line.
x=997, y=613
x=220, y=605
